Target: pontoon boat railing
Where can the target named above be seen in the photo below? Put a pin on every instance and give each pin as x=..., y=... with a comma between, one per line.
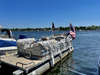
x=24, y=64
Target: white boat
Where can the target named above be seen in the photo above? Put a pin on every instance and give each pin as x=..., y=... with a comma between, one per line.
x=7, y=42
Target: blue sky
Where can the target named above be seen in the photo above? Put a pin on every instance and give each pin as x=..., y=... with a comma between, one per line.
x=41, y=13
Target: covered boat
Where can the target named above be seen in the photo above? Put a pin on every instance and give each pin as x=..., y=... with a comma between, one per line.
x=45, y=46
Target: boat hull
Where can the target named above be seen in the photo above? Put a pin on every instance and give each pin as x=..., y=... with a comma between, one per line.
x=8, y=50
x=7, y=46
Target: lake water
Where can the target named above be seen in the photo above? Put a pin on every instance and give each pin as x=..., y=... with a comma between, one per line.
x=82, y=61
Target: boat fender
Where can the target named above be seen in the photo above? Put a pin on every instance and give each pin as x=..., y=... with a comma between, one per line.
x=52, y=60
x=69, y=49
x=60, y=54
x=26, y=70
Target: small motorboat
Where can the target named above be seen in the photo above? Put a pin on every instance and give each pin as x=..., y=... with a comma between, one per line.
x=7, y=42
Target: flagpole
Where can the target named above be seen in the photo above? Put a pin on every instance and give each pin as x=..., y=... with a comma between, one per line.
x=69, y=26
x=72, y=31
x=53, y=28
x=51, y=32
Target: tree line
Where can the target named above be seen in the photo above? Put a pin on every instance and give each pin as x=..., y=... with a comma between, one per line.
x=93, y=27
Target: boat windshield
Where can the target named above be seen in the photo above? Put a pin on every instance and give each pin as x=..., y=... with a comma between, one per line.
x=3, y=34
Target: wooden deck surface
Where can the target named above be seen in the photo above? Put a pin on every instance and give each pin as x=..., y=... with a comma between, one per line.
x=13, y=60
x=10, y=59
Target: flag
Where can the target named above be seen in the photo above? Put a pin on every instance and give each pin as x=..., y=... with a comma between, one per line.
x=53, y=27
x=72, y=31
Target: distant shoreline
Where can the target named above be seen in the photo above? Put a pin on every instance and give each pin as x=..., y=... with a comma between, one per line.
x=81, y=28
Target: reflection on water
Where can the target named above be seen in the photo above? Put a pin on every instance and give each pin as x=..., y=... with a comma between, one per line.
x=64, y=67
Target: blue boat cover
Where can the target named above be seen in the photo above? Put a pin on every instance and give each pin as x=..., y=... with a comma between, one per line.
x=5, y=43
x=22, y=37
